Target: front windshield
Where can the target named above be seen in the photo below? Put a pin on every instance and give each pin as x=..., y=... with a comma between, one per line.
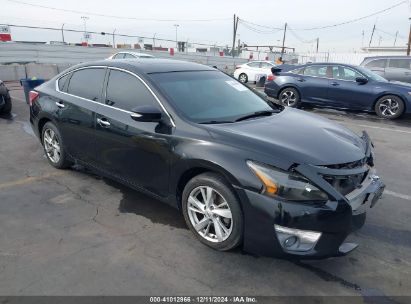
x=209, y=96
x=372, y=75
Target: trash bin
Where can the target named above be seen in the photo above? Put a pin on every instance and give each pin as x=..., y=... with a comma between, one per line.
x=29, y=84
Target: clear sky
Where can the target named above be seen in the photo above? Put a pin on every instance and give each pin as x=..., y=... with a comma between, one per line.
x=299, y=14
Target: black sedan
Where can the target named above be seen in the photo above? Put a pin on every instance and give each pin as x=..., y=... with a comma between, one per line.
x=242, y=171
x=339, y=86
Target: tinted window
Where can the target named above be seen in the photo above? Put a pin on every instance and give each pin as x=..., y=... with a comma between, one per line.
x=62, y=82
x=400, y=63
x=126, y=92
x=316, y=70
x=128, y=56
x=119, y=56
x=209, y=96
x=344, y=73
x=266, y=65
x=379, y=63
x=87, y=83
x=254, y=64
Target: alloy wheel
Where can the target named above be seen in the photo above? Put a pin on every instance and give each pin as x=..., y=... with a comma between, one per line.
x=288, y=98
x=243, y=78
x=389, y=107
x=52, y=146
x=210, y=214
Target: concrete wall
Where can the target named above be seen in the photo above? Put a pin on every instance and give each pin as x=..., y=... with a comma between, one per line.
x=12, y=72
x=46, y=60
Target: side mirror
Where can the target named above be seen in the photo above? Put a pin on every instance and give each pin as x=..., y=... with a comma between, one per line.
x=275, y=70
x=146, y=114
x=361, y=80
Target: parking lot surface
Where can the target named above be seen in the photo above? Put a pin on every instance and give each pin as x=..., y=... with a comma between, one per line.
x=73, y=233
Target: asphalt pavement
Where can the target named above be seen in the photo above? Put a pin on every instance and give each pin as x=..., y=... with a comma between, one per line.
x=73, y=233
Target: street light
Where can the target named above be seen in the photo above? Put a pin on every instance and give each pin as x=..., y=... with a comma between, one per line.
x=85, y=18
x=176, y=25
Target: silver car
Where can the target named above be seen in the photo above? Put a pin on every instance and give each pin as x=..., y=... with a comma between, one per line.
x=390, y=67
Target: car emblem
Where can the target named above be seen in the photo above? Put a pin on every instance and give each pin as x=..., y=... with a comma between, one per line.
x=374, y=178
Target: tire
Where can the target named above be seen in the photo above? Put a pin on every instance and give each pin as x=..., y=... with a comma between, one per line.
x=51, y=139
x=289, y=97
x=243, y=78
x=6, y=109
x=389, y=107
x=207, y=218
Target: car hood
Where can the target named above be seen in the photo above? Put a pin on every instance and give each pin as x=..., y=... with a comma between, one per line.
x=294, y=136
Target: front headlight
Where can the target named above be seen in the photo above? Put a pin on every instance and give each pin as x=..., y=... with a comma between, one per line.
x=286, y=185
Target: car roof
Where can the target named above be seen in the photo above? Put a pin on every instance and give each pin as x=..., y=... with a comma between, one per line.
x=328, y=63
x=387, y=57
x=148, y=66
x=134, y=53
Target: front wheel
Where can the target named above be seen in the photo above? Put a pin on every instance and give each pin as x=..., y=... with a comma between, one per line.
x=289, y=97
x=389, y=106
x=212, y=212
x=53, y=147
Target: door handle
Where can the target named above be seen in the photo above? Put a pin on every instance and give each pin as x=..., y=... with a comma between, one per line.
x=103, y=122
x=335, y=84
x=301, y=79
x=60, y=104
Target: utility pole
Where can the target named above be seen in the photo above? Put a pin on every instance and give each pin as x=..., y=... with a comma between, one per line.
x=282, y=48
x=362, y=39
x=318, y=43
x=62, y=32
x=379, y=41
x=114, y=38
x=395, y=40
x=234, y=33
x=154, y=41
x=84, y=18
x=409, y=41
x=372, y=34
x=176, y=25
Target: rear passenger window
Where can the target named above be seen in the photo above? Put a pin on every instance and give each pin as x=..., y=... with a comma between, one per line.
x=62, y=81
x=379, y=63
x=119, y=56
x=400, y=63
x=316, y=70
x=125, y=91
x=87, y=83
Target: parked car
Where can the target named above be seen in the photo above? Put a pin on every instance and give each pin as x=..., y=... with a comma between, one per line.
x=5, y=100
x=390, y=67
x=247, y=72
x=339, y=86
x=130, y=55
x=242, y=170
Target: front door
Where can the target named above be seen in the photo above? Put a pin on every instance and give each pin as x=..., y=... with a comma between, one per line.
x=135, y=152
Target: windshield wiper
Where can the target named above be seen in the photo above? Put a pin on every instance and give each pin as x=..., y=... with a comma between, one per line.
x=212, y=122
x=257, y=114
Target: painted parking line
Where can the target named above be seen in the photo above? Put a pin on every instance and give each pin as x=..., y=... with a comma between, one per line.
x=375, y=127
x=398, y=195
x=29, y=180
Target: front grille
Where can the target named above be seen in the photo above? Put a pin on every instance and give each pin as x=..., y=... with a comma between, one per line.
x=345, y=184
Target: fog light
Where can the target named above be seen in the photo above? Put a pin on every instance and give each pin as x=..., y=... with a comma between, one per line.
x=292, y=239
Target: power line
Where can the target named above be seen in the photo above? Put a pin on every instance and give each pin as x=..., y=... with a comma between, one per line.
x=255, y=30
x=390, y=34
x=113, y=16
x=259, y=25
x=354, y=20
x=299, y=37
x=103, y=33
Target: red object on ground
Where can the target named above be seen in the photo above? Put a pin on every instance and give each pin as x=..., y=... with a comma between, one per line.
x=84, y=44
x=172, y=51
x=5, y=37
x=221, y=53
x=251, y=56
x=266, y=58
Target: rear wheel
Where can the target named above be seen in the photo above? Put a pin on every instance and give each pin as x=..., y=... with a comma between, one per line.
x=243, y=78
x=4, y=93
x=53, y=147
x=389, y=106
x=289, y=97
x=212, y=212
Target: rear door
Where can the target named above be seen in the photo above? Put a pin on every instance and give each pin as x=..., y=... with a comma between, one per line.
x=136, y=152
x=82, y=91
x=253, y=68
x=313, y=83
x=345, y=92
x=377, y=66
x=399, y=69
